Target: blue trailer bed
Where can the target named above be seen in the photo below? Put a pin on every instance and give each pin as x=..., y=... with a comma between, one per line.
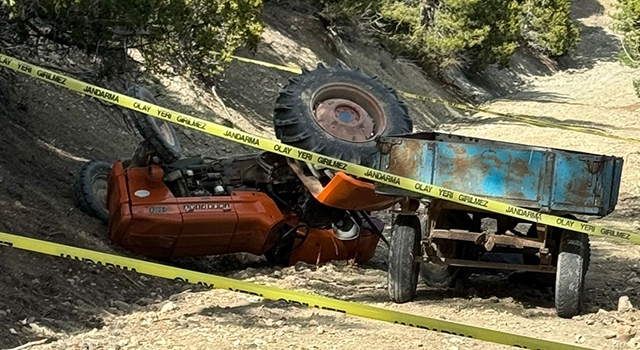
x=546, y=179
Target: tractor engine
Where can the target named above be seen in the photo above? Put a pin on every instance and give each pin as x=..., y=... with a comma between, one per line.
x=204, y=206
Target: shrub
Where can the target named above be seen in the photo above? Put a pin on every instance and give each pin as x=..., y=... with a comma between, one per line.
x=184, y=33
x=548, y=28
x=472, y=33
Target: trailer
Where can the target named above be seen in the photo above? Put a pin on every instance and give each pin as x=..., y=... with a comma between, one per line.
x=448, y=240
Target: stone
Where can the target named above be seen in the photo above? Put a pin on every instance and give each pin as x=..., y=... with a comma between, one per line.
x=121, y=305
x=167, y=307
x=624, y=304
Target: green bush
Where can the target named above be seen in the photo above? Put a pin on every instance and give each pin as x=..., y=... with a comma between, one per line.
x=184, y=33
x=472, y=33
x=548, y=28
x=627, y=23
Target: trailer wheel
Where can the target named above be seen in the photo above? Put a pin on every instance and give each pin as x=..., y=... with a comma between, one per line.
x=405, y=246
x=438, y=276
x=157, y=132
x=573, y=261
x=340, y=113
x=91, y=189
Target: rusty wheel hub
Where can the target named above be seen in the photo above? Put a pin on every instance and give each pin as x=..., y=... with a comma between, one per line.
x=99, y=188
x=165, y=131
x=348, y=113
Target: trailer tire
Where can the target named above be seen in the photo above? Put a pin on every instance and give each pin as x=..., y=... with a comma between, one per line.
x=340, y=113
x=159, y=133
x=444, y=277
x=573, y=261
x=90, y=189
x=404, y=247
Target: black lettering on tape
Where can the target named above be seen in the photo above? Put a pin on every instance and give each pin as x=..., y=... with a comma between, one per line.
x=243, y=138
x=282, y=149
x=190, y=121
x=5, y=61
x=423, y=188
x=614, y=233
x=473, y=200
x=56, y=78
x=143, y=107
x=565, y=222
x=25, y=67
x=332, y=163
x=246, y=292
x=165, y=114
x=382, y=176
x=305, y=155
x=588, y=227
x=6, y=244
x=523, y=212
x=205, y=284
x=432, y=329
x=101, y=93
x=446, y=193
x=98, y=262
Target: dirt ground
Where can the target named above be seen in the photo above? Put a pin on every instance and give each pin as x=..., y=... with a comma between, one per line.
x=47, y=132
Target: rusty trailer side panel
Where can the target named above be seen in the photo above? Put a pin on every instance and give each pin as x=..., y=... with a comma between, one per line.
x=547, y=179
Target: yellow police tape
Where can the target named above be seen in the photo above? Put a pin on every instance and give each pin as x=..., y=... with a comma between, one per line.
x=526, y=119
x=273, y=293
x=421, y=188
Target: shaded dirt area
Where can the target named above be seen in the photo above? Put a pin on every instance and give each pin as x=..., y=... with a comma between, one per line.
x=47, y=132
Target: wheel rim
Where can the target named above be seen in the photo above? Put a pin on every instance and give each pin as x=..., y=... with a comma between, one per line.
x=166, y=132
x=99, y=187
x=445, y=249
x=348, y=113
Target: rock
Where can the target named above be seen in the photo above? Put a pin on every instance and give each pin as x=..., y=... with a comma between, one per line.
x=167, y=307
x=625, y=337
x=494, y=299
x=144, y=301
x=626, y=333
x=580, y=339
x=12, y=331
x=3, y=313
x=254, y=299
x=624, y=304
x=610, y=335
x=635, y=280
x=259, y=341
x=313, y=323
x=121, y=305
x=320, y=330
x=590, y=322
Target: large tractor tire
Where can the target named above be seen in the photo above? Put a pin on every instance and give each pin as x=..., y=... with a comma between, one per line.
x=91, y=189
x=340, y=113
x=573, y=263
x=405, y=247
x=157, y=132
